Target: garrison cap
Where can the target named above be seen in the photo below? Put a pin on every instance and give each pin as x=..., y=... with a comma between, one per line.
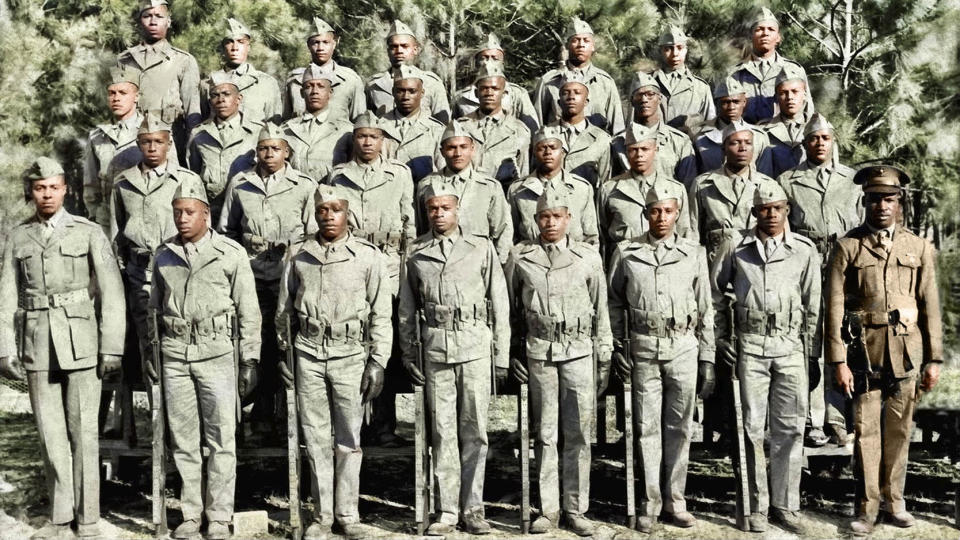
x=152, y=123
x=41, y=168
x=817, y=123
x=788, y=73
x=881, y=179
x=320, y=27
x=313, y=72
x=123, y=74
x=489, y=69
x=326, y=193
x=572, y=76
x=439, y=189
x=398, y=28
x=222, y=77
x=577, y=26
x=763, y=15
x=455, y=129
x=735, y=127
x=191, y=187
x=664, y=191
x=367, y=120
x=149, y=4
x=550, y=132
x=492, y=43
x=643, y=80
x=236, y=30
x=637, y=132
x=673, y=35
x=406, y=71
x=271, y=131
x=768, y=192
x=728, y=87
x=551, y=198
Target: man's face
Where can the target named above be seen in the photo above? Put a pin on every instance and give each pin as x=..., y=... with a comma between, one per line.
x=154, y=23
x=316, y=94
x=225, y=100
x=235, y=51
x=642, y=156
x=48, y=194
x=553, y=223
x=549, y=154
x=573, y=99
x=790, y=96
x=674, y=56
x=772, y=217
x=766, y=37
x=490, y=93
x=271, y=155
x=402, y=49
x=154, y=147
x=457, y=151
x=819, y=146
x=646, y=101
x=321, y=47
x=367, y=143
x=407, y=94
x=730, y=108
x=738, y=150
x=882, y=209
x=661, y=217
x=490, y=54
x=332, y=217
x=190, y=216
x=442, y=212
x=581, y=48
x=122, y=99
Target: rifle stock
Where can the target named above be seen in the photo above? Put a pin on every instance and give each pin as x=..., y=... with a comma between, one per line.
x=158, y=424
x=421, y=452
x=743, y=482
x=293, y=435
x=628, y=459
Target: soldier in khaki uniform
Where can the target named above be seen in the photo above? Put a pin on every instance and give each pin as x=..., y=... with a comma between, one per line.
x=319, y=139
x=766, y=287
x=659, y=280
x=514, y=99
x=483, y=208
x=688, y=99
x=549, y=151
x=266, y=210
x=623, y=199
x=455, y=290
x=403, y=48
x=260, y=91
x=335, y=287
x=785, y=131
x=558, y=289
x=348, y=101
x=169, y=77
x=63, y=339
x=758, y=74
x=225, y=144
x=674, y=151
x=202, y=289
x=504, y=140
x=883, y=333
x=414, y=133
x=605, y=110
x=824, y=205
x=731, y=99
x=588, y=146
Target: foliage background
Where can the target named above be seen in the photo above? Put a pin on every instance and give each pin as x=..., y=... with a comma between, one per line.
x=885, y=72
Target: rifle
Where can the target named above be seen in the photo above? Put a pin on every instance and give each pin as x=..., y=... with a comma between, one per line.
x=157, y=420
x=628, y=426
x=743, y=485
x=421, y=453
x=493, y=349
x=235, y=339
x=19, y=325
x=367, y=346
x=293, y=434
x=523, y=419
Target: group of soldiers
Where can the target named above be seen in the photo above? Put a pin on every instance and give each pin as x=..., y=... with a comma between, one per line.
x=709, y=245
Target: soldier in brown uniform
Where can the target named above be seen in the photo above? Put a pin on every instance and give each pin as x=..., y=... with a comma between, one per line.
x=883, y=333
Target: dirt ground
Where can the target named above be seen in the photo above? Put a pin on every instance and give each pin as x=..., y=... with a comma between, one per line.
x=387, y=494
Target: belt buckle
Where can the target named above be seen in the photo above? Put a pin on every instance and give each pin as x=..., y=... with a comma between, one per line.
x=442, y=314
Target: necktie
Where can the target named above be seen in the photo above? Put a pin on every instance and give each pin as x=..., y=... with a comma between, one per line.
x=661, y=251
x=675, y=76
x=190, y=250
x=571, y=136
x=552, y=251
x=764, y=67
x=769, y=248
x=823, y=176
x=884, y=241
x=445, y=245
x=47, y=231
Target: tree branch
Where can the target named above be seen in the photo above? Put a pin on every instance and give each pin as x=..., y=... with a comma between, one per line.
x=818, y=39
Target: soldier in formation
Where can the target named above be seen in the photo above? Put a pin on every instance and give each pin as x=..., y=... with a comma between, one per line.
x=688, y=100
x=349, y=100
x=260, y=91
x=673, y=146
x=731, y=99
x=414, y=134
x=319, y=139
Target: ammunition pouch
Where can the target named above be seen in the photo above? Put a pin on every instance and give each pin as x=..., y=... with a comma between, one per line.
x=330, y=334
x=218, y=326
x=656, y=324
x=822, y=242
x=381, y=239
x=768, y=323
x=549, y=328
x=262, y=248
x=454, y=317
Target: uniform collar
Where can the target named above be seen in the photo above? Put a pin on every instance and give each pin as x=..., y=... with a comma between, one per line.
x=230, y=123
x=159, y=170
x=335, y=244
x=55, y=220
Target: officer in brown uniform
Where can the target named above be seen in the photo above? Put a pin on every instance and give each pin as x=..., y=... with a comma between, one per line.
x=883, y=333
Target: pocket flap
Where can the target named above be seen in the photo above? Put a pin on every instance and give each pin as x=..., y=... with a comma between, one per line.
x=908, y=259
x=73, y=249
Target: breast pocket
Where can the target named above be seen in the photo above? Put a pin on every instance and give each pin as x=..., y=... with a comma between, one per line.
x=907, y=265
x=868, y=279
x=75, y=260
x=29, y=264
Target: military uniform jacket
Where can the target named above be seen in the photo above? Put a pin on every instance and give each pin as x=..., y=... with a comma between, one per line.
x=483, y=208
x=824, y=202
x=775, y=301
x=317, y=143
x=720, y=204
x=863, y=278
x=674, y=153
x=561, y=303
x=516, y=102
x=708, y=146
x=761, y=87
x=70, y=292
x=451, y=292
x=503, y=145
x=666, y=293
x=336, y=293
x=218, y=155
x=604, y=109
x=266, y=219
x=197, y=298
x=689, y=99
x=786, y=143
x=260, y=91
x=169, y=79
x=415, y=141
x=380, y=95
x=111, y=148
x=523, y=194
x=347, y=102
x=381, y=200
x=623, y=200
x=589, y=155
